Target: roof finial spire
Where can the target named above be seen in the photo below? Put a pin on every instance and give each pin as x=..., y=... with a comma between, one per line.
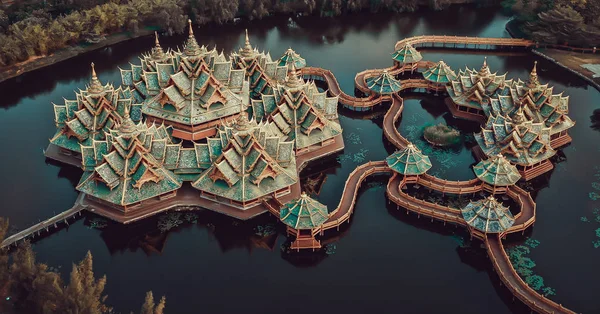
x=533, y=77
x=126, y=115
x=95, y=85
x=485, y=61
x=191, y=30
x=247, y=39
x=534, y=70
x=156, y=39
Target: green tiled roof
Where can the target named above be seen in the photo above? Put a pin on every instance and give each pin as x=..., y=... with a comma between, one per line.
x=488, y=215
x=304, y=213
x=409, y=161
x=497, y=171
x=291, y=57
x=440, y=73
x=407, y=54
x=383, y=84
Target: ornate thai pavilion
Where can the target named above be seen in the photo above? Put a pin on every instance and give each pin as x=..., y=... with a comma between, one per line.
x=253, y=165
x=522, y=141
x=383, y=84
x=497, y=171
x=261, y=71
x=157, y=67
x=440, y=73
x=298, y=111
x=94, y=112
x=487, y=216
x=407, y=56
x=304, y=218
x=539, y=104
x=122, y=172
x=291, y=57
x=409, y=161
x=474, y=88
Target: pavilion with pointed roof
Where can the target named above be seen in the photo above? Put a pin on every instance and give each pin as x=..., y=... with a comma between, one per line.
x=383, y=84
x=252, y=166
x=122, y=173
x=497, y=171
x=94, y=112
x=440, y=73
x=409, y=161
x=407, y=56
x=299, y=112
x=472, y=89
x=304, y=218
x=487, y=216
x=522, y=141
x=539, y=104
x=291, y=57
x=261, y=71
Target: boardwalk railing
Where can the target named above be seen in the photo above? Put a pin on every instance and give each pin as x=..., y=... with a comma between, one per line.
x=513, y=281
x=417, y=41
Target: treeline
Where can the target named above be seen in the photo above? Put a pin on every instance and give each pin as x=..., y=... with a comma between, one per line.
x=564, y=22
x=27, y=286
x=36, y=28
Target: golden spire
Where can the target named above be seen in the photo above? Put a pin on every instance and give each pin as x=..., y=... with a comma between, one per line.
x=127, y=126
x=293, y=80
x=533, y=77
x=95, y=85
x=191, y=46
x=126, y=115
x=485, y=70
x=157, y=51
x=247, y=51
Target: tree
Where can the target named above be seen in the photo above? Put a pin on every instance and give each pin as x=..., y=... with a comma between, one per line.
x=150, y=308
x=84, y=292
x=560, y=25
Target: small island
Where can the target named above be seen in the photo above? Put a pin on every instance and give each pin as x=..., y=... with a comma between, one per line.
x=441, y=135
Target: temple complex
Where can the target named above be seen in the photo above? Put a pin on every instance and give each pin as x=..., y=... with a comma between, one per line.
x=522, y=141
x=539, y=104
x=253, y=165
x=261, y=71
x=304, y=218
x=472, y=89
x=121, y=171
x=94, y=112
x=487, y=216
x=383, y=84
x=299, y=112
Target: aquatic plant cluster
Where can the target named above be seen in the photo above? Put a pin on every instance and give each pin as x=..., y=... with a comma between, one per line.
x=594, y=196
x=524, y=265
x=173, y=220
x=441, y=135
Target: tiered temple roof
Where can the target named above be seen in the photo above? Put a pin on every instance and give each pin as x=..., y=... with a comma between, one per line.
x=440, y=73
x=497, y=171
x=473, y=88
x=96, y=109
x=261, y=71
x=488, y=215
x=407, y=54
x=122, y=169
x=252, y=164
x=298, y=111
x=519, y=139
x=291, y=57
x=383, y=84
x=409, y=161
x=538, y=102
x=304, y=213
x=195, y=95
x=156, y=68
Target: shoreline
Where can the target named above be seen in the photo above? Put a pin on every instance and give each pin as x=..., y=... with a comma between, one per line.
x=16, y=70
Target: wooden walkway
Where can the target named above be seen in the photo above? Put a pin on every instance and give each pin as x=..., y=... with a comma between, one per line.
x=45, y=225
x=464, y=42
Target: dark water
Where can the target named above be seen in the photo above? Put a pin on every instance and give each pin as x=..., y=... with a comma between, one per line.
x=383, y=260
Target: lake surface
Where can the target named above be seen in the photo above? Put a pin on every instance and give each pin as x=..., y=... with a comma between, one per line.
x=384, y=260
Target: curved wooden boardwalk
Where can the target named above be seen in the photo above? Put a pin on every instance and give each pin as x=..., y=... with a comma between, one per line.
x=463, y=42
x=523, y=220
